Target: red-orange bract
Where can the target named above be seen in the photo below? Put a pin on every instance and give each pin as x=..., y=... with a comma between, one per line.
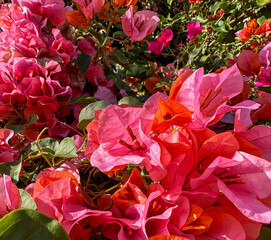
x=77, y=19
x=150, y=84
x=167, y=237
x=248, y=63
x=125, y=3
x=178, y=83
x=170, y=113
x=133, y=191
x=198, y=221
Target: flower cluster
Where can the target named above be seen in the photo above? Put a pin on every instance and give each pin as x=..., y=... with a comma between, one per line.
x=210, y=173
x=251, y=28
x=35, y=64
x=201, y=178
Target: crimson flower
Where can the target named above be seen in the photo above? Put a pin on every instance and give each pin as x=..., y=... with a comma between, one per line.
x=194, y=29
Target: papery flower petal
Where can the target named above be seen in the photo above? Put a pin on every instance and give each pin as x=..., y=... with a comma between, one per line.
x=242, y=120
x=90, y=7
x=170, y=113
x=167, y=237
x=50, y=200
x=132, y=192
x=249, y=63
x=246, y=174
x=265, y=55
x=10, y=197
x=139, y=25
x=194, y=29
x=46, y=177
x=225, y=226
x=260, y=136
x=156, y=47
x=166, y=36
x=126, y=3
x=223, y=144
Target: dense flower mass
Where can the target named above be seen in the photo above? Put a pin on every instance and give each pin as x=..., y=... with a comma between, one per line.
x=119, y=124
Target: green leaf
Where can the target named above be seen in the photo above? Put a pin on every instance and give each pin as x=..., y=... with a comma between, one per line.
x=129, y=100
x=66, y=148
x=31, y=225
x=262, y=2
x=82, y=100
x=12, y=169
x=163, y=19
x=27, y=200
x=118, y=57
x=201, y=19
x=204, y=58
x=169, y=2
x=87, y=113
x=119, y=34
x=120, y=84
x=215, y=7
x=261, y=20
x=220, y=27
x=46, y=143
x=178, y=17
x=95, y=34
x=265, y=89
x=83, y=61
x=221, y=37
x=20, y=128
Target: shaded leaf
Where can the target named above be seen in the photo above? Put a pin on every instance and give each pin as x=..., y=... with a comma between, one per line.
x=129, y=100
x=265, y=233
x=119, y=34
x=83, y=61
x=12, y=169
x=20, y=128
x=119, y=57
x=220, y=27
x=82, y=100
x=96, y=35
x=265, y=89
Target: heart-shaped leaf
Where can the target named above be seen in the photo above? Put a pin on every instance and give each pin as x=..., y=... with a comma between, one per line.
x=66, y=148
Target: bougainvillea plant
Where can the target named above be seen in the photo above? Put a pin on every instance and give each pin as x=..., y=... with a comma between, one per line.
x=129, y=119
